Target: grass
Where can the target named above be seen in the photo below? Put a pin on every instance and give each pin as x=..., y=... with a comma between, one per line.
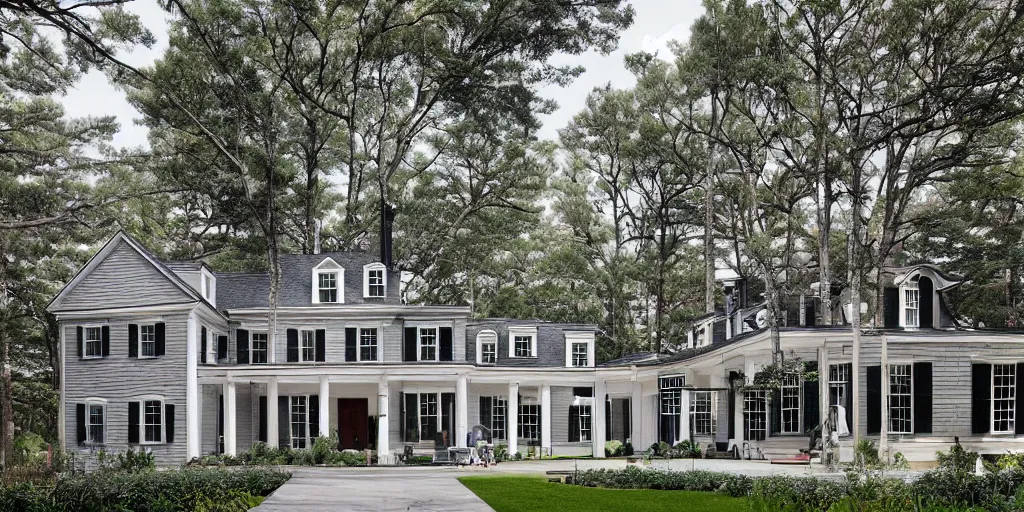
x=531, y=493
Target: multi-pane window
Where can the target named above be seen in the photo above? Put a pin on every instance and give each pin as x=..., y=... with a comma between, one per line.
x=307, y=346
x=671, y=395
x=499, y=409
x=581, y=424
x=838, y=377
x=428, y=415
x=912, y=299
x=702, y=413
x=529, y=421
x=790, y=395
x=298, y=421
x=368, y=344
x=428, y=344
x=1004, y=397
x=580, y=355
x=328, y=286
x=900, y=399
x=489, y=352
x=95, y=427
x=259, y=348
x=153, y=416
x=755, y=415
x=523, y=345
x=147, y=340
x=375, y=283
x=93, y=342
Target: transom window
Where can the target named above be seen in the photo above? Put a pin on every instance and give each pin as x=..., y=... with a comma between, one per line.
x=755, y=415
x=307, y=346
x=1004, y=397
x=523, y=345
x=328, y=286
x=375, y=283
x=529, y=421
x=790, y=404
x=702, y=409
x=147, y=340
x=95, y=423
x=912, y=298
x=153, y=421
x=368, y=344
x=900, y=399
x=298, y=421
x=580, y=355
x=93, y=342
x=259, y=348
x=428, y=343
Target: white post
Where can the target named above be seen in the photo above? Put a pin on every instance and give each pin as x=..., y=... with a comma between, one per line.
x=545, y=419
x=738, y=418
x=229, y=418
x=728, y=327
x=823, y=399
x=272, y=433
x=191, y=389
x=383, y=441
x=803, y=311
x=597, y=420
x=636, y=407
x=325, y=407
x=513, y=419
x=684, y=416
x=461, y=411
x=883, y=440
x=62, y=416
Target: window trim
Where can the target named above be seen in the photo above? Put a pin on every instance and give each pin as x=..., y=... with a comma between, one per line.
x=889, y=396
x=89, y=404
x=799, y=406
x=302, y=331
x=359, y=344
x=366, y=280
x=252, y=345
x=85, y=340
x=911, y=286
x=572, y=339
x=140, y=341
x=530, y=332
x=1013, y=401
x=711, y=412
x=480, y=341
x=495, y=400
x=520, y=424
x=307, y=439
x=437, y=342
x=328, y=266
x=142, y=418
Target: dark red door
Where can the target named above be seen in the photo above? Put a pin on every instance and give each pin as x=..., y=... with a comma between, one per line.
x=352, y=423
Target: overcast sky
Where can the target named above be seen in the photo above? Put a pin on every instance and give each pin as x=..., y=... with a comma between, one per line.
x=657, y=22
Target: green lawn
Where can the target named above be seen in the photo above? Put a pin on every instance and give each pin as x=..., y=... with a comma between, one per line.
x=531, y=493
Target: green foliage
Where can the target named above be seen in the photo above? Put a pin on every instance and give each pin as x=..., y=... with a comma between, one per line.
x=501, y=452
x=635, y=478
x=1010, y=461
x=613, y=448
x=957, y=460
x=133, y=461
x=687, y=449
x=627, y=449
x=324, y=451
x=865, y=454
x=28, y=447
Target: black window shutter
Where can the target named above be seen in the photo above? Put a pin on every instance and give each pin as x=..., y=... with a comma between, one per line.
x=81, y=341
x=446, y=346
x=448, y=416
x=241, y=346
x=811, y=398
x=202, y=350
x=222, y=346
x=981, y=396
x=922, y=376
x=401, y=419
x=574, y=424
x=202, y=336
x=293, y=345
x=874, y=400
x=1018, y=427
x=350, y=343
x=133, y=422
x=169, y=422
x=263, y=419
x=849, y=395
x=776, y=412
x=321, y=344
x=409, y=345
x=105, y=330
x=133, y=340
x=283, y=432
x=80, y=418
x=159, y=333
x=485, y=411
x=313, y=414
x=412, y=417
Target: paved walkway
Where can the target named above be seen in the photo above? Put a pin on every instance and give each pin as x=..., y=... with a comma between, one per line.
x=436, y=488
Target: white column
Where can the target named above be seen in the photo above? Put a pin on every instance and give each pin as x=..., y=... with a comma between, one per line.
x=545, y=419
x=738, y=418
x=597, y=419
x=272, y=419
x=229, y=418
x=636, y=407
x=461, y=411
x=191, y=389
x=63, y=414
x=383, y=439
x=325, y=407
x=513, y=419
x=684, y=416
x=823, y=400
x=883, y=440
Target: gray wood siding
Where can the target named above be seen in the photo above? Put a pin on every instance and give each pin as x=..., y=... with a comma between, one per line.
x=124, y=279
x=120, y=379
x=561, y=399
x=210, y=397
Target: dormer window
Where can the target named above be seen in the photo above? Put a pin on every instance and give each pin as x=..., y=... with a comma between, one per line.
x=374, y=281
x=522, y=341
x=328, y=283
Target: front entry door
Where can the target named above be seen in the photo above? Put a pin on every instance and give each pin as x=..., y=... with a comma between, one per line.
x=352, y=423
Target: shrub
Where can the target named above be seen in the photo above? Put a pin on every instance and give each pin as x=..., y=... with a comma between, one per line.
x=27, y=447
x=25, y=497
x=636, y=478
x=322, y=449
x=613, y=448
x=687, y=449
x=501, y=452
x=957, y=459
x=865, y=454
x=627, y=449
x=132, y=461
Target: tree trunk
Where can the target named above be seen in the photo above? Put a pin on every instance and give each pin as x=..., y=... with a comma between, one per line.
x=7, y=441
x=854, y=274
x=824, y=190
x=709, y=215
